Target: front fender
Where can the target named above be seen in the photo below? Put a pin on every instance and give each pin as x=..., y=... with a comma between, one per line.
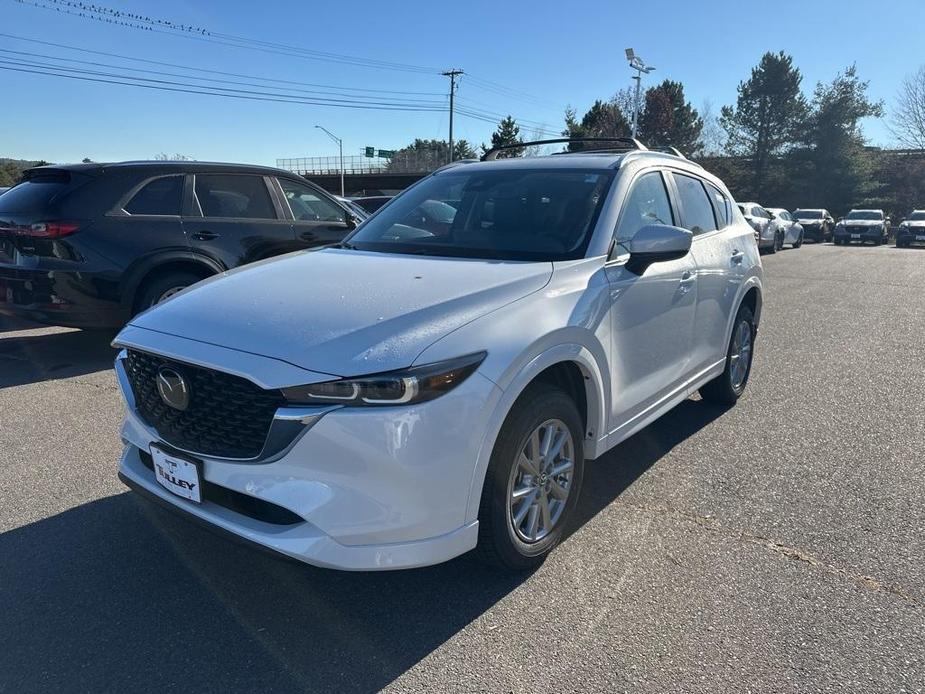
x=598, y=402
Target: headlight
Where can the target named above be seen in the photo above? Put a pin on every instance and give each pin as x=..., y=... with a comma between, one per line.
x=406, y=387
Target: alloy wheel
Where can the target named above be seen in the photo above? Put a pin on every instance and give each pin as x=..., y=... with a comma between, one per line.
x=167, y=294
x=740, y=355
x=540, y=481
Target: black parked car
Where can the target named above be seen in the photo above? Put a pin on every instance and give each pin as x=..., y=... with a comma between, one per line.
x=371, y=203
x=90, y=245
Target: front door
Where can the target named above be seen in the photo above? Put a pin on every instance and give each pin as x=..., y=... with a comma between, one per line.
x=652, y=314
x=317, y=220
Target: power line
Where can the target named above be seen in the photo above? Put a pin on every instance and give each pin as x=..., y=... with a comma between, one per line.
x=214, y=72
x=161, y=26
x=245, y=96
x=325, y=94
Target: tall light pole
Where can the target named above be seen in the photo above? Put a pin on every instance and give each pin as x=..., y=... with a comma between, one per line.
x=340, y=144
x=637, y=64
x=452, y=74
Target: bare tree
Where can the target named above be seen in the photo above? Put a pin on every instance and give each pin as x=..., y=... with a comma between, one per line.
x=163, y=156
x=712, y=136
x=908, y=120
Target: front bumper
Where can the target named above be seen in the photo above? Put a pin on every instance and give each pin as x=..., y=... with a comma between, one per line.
x=814, y=233
x=906, y=236
x=373, y=488
x=858, y=236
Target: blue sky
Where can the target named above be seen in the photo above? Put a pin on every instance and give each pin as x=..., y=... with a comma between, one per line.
x=538, y=48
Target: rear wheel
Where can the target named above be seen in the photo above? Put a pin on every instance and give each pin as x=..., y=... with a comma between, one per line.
x=728, y=387
x=533, y=480
x=161, y=287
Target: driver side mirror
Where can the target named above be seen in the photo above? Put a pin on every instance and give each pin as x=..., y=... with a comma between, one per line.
x=657, y=243
x=351, y=219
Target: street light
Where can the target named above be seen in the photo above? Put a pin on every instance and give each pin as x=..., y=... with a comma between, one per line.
x=340, y=144
x=637, y=64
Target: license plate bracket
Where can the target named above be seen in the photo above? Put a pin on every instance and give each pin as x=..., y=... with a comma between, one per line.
x=177, y=474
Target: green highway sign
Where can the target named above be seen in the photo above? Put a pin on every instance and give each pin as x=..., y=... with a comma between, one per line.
x=370, y=151
x=386, y=153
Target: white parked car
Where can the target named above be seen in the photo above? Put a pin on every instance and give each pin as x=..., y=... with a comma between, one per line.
x=414, y=393
x=768, y=234
x=791, y=230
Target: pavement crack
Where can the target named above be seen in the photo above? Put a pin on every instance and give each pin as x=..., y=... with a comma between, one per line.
x=794, y=553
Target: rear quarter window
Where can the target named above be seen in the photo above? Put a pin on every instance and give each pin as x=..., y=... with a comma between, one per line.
x=162, y=196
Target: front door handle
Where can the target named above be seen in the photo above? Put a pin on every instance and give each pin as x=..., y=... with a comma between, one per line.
x=687, y=281
x=205, y=236
x=737, y=256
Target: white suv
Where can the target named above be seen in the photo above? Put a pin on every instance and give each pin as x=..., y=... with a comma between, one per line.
x=437, y=382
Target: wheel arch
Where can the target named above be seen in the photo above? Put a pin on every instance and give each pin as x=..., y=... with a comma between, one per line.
x=149, y=267
x=571, y=367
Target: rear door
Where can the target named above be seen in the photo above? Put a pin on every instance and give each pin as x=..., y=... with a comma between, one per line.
x=316, y=218
x=236, y=220
x=718, y=249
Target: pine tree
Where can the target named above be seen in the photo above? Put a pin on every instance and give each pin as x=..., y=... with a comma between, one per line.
x=769, y=116
x=668, y=120
x=508, y=133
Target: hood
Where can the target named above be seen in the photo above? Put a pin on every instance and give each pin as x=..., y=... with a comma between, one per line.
x=342, y=312
x=808, y=221
x=917, y=223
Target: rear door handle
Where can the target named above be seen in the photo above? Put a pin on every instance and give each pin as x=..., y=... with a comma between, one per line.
x=737, y=256
x=205, y=235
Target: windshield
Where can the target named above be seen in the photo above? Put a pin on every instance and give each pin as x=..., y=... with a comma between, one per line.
x=865, y=215
x=917, y=216
x=808, y=214
x=526, y=214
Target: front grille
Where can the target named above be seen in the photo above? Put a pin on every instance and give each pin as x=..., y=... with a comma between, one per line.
x=227, y=416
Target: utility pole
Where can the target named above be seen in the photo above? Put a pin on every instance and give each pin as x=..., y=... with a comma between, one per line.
x=452, y=74
x=340, y=144
x=637, y=64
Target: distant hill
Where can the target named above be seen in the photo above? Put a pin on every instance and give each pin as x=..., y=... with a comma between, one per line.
x=11, y=169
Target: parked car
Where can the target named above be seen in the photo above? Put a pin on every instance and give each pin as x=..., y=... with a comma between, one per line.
x=911, y=230
x=818, y=225
x=407, y=396
x=768, y=234
x=791, y=230
x=89, y=245
x=372, y=203
x=861, y=226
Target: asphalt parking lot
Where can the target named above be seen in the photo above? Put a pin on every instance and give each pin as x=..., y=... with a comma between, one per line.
x=778, y=546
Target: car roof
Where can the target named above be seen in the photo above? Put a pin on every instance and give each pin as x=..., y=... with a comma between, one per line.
x=168, y=166
x=864, y=209
x=776, y=209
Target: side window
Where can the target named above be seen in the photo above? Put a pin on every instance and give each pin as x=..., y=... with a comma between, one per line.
x=723, y=206
x=647, y=203
x=162, y=196
x=308, y=206
x=234, y=195
x=696, y=209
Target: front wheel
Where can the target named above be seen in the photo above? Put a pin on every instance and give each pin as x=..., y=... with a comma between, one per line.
x=799, y=241
x=728, y=387
x=533, y=480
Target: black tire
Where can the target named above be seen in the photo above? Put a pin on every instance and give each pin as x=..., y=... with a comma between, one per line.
x=721, y=391
x=154, y=289
x=498, y=542
x=799, y=241
x=773, y=248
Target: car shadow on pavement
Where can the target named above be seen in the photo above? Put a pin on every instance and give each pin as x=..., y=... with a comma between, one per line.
x=44, y=356
x=119, y=595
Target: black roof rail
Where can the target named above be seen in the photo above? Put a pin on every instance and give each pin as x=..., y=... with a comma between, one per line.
x=633, y=143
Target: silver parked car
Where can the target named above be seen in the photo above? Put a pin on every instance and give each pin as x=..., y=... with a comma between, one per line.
x=791, y=230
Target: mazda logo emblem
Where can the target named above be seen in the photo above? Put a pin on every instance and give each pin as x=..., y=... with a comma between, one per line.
x=173, y=389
